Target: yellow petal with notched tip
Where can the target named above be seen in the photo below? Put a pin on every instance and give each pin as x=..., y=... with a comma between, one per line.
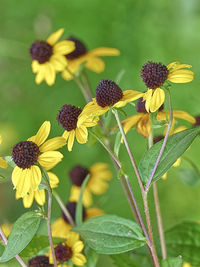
x=82, y=135
x=104, y=51
x=71, y=140
x=95, y=64
x=28, y=199
x=49, y=159
x=21, y=180
x=157, y=99
x=42, y=133
x=54, y=37
x=53, y=144
x=64, y=47
x=40, y=197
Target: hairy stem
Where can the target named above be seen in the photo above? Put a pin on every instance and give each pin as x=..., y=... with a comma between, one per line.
x=164, y=142
x=63, y=208
x=4, y=239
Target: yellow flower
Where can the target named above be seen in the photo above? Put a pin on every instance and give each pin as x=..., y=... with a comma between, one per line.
x=26, y=176
x=154, y=76
x=186, y=264
x=90, y=58
x=97, y=183
x=38, y=195
x=70, y=250
x=142, y=119
x=6, y=228
x=3, y=163
x=49, y=57
x=108, y=95
x=69, y=117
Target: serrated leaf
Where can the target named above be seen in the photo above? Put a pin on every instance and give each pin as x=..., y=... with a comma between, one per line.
x=117, y=143
x=110, y=234
x=38, y=243
x=176, y=145
x=79, y=207
x=184, y=239
x=124, y=260
x=21, y=234
x=189, y=176
x=172, y=262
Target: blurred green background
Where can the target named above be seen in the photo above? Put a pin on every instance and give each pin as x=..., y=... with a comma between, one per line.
x=161, y=31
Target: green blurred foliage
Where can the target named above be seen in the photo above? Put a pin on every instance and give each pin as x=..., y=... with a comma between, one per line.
x=142, y=30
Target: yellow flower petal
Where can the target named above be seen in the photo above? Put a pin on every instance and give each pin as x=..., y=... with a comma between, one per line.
x=42, y=133
x=3, y=163
x=40, y=76
x=93, y=212
x=157, y=99
x=53, y=179
x=173, y=65
x=79, y=259
x=180, y=129
x=181, y=76
x=128, y=96
x=75, y=194
x=21, y=180
x=77, y=247
x=64, y=47
x=58, y=61
x=71, y=140
x=54, y=37
x=95, y=64
x=50, y=159
x=60, y=228
x=66, y=134
x=40, y=197
x=177, y=163
x=53, y=144
x=28, y=199
x=35, y=177
x=131, y=121
x=35, y=66
x=144, y=125
x=66, y=75
x=72, y=239
x=49, y=73
x=180, y=114
x=105, y=51
x=82, y=134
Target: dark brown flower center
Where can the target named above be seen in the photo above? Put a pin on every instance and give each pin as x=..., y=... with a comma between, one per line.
x=80, y=49
x=197, y=123
x=154, y=74
x=140, y=107
x=68, y=117
x=39, y=261
x=108, y=93
x=71, y=207
x=77, y=175
x=63, y=252
x=25, y=154
x=158, y=138
x=41, y=51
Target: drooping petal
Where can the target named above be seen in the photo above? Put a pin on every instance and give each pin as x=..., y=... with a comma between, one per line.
x=130, y=122
x=75, y=194
x=144, y=125
x=95, y=64
x=42, y=133
x=60, y=228
x=49, y=73
x=35, y=66
x=28, y=199
x=54, y=37
x=40, y=197
x=78, y=247
x=157, y=99
x=53, y=144
x=36, y=177
x=40, y=76
x=71, y=140
x=181, y=76
x=128, y=96
x=82, y=134
x=147, y=98
x=180, y=114
x=58, y=61
x=50, y=159
x=21, y=180
x=53, y=179
x=64, y=47
x=105, y=51
x=66, y=135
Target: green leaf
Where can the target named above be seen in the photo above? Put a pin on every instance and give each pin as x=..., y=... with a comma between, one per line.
x=10, y=161
x=79, y=207
x=117, y=143
x=184, y=239
x=172, y=262
x=92, y=257
x=38, y=243
x=176, y=145
x=124, y=260
x=110, y=234
x=21, y=234
x=189, y=176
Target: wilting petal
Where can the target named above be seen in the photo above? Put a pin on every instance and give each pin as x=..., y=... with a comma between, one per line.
x=144, y=126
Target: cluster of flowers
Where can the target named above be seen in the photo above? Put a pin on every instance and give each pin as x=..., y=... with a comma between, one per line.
x=67, y=56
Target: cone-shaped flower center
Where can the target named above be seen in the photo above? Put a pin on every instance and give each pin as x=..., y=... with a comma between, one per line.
x=197, y=123
x=158, y=138
x=25, y=154
x=154, y=74
x=68, y=117
x=41, y=51
x=78, y=174
x=71, y=207
x=108, y=93
x=63, y=252
x=39, y=261
x=80, y=48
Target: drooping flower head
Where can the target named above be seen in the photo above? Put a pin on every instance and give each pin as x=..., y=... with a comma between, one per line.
x=97, y=183
x=108, y=95
x=49, y=57
x=3, y=163
x=154, y=75
x=39, y=261
x=68, y=118
x=26, y=176
x=90, y=58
